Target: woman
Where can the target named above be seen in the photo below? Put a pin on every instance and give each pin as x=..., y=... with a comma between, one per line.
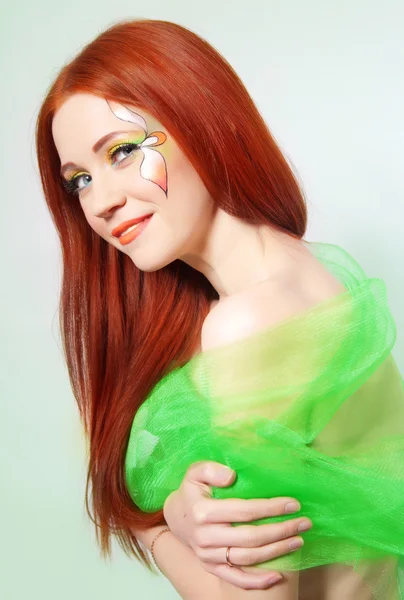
x=150, y=125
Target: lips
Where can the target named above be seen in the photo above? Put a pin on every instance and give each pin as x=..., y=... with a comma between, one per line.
x=123, y=226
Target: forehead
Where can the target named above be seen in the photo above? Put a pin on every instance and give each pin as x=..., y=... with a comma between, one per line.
x=85, y=118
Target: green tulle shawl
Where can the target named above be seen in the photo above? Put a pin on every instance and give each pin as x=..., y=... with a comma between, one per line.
x=311, y=408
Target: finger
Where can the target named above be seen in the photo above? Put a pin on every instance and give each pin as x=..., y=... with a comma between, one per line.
x=210, y=473
x=236, y=510
x=249, y=536
x=244, y=557
x=247, y=581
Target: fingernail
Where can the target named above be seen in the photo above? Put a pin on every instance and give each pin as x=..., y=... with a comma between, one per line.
x=274, y=579
x=304, y=526
x=226, y=472
x=294, y=544
x=292, y=507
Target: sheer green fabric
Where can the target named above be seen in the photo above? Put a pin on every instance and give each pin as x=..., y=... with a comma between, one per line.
x=311, y=408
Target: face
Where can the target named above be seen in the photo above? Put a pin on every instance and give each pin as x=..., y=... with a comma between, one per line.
x=119, y=163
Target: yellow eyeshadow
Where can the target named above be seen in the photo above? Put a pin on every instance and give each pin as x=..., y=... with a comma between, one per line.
x=110, y=151
x=68, y=179
x=108, y=154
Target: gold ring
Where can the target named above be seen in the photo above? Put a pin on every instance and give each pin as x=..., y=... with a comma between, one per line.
x=227, y=557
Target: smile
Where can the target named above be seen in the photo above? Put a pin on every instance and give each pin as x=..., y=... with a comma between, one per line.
x=134, y=231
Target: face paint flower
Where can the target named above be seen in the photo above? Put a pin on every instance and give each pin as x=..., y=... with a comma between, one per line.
x=153, y=166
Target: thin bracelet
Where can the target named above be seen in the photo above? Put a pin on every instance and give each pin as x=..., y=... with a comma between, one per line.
x=152, y=546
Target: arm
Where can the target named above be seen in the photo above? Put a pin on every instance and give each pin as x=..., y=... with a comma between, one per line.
x=178, y=561
x=185, y=572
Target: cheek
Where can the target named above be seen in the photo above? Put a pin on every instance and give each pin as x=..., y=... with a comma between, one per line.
x=185, y=187
x=96, y=225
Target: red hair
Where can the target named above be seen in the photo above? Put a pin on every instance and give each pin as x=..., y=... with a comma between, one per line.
x=123, y=329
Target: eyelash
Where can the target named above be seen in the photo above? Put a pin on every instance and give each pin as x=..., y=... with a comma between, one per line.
x=71, y=185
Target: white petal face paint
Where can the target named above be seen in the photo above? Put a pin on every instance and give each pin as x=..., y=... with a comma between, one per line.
x=153, y=166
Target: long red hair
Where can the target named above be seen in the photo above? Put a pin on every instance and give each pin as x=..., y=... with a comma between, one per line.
x=123, y=329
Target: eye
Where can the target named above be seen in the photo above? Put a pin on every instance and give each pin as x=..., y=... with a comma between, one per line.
x=71, y=185
x=126, y=148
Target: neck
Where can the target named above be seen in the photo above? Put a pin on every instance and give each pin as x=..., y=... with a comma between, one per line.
x=235, y=256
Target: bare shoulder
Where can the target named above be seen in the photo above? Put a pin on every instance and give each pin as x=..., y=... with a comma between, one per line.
x=240, y=316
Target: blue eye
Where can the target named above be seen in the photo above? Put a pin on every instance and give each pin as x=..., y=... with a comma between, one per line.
x=71, y=186
x=126, y=148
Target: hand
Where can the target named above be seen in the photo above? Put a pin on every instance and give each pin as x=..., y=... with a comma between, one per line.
x=204, y=524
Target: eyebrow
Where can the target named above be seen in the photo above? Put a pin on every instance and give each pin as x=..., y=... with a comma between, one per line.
x=97, y=146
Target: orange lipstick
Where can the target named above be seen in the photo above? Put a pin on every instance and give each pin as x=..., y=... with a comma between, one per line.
x=134, y=231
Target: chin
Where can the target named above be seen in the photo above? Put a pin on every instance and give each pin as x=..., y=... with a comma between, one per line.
x=150, y=264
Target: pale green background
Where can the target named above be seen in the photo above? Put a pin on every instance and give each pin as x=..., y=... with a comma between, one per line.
x=328, y=78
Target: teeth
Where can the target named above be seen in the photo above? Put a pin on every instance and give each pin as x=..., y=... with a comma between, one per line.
x=130, y=228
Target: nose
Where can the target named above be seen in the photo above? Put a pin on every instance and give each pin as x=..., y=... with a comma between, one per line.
x=106, y=199
x=107, y=207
